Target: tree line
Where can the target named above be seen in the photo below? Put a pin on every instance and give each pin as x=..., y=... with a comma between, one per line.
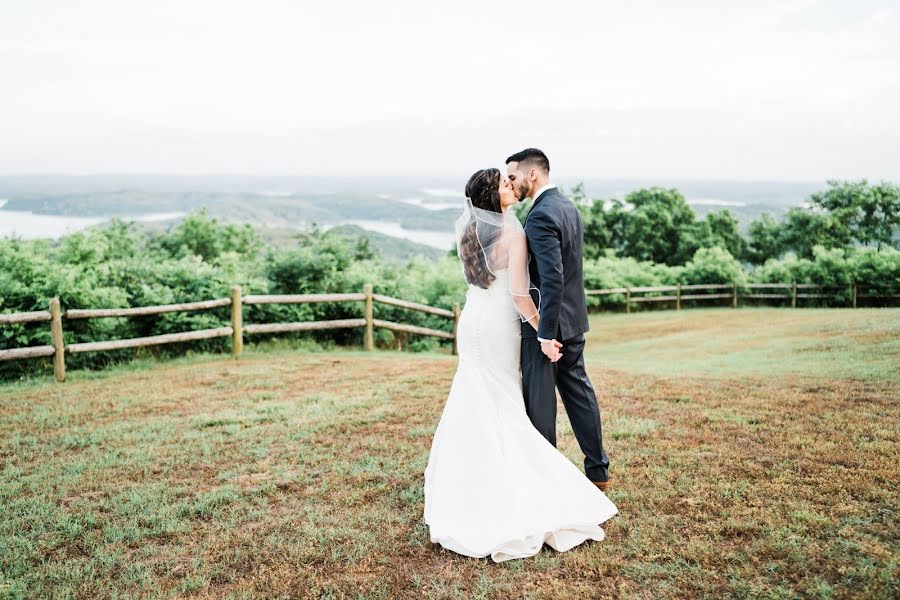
x=658, y=225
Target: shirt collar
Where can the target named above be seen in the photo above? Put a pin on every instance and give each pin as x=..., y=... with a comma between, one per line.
x=538, y=193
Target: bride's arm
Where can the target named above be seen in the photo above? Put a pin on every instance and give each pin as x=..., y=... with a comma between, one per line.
x=519, y=283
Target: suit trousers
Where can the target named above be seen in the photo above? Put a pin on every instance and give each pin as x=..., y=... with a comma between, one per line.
x=540, y=380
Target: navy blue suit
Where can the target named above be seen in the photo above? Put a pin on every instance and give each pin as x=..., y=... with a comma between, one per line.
x=555, y=235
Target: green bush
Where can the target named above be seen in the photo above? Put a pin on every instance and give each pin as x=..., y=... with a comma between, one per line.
x=837, y=269
x=713, y=265
x=609, y=272
x=879, y=271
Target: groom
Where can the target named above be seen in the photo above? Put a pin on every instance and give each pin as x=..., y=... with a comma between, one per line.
x=555, y=360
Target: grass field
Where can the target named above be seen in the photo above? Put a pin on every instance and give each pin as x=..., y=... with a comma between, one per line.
x=755, y=453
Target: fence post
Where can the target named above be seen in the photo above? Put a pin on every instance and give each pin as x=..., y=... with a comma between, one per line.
x=734, y=297
x=627, y=300
x=370, y=330
x=794, y=295
x=854, y=295
x=59, y=358
x=455, y=327
x=678, y=298
x=237, y=321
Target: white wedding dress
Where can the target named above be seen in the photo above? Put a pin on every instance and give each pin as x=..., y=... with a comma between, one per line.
x=494, y=486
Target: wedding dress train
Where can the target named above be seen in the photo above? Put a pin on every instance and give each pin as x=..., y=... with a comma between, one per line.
x=493, y=485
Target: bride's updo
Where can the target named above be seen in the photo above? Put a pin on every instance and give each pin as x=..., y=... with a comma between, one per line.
x=483, y=191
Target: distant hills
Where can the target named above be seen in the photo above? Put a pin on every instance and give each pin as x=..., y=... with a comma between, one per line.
x=291, y=202
x=289, y=210
x=392, y=249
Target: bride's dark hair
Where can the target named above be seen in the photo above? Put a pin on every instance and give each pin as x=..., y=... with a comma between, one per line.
x=482, y=190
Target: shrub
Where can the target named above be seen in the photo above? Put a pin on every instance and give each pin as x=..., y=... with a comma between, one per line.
x=713, y=265
x=610, y=272
x=838, y=269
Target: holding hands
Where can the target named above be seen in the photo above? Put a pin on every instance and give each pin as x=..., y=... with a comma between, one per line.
x=551, y=349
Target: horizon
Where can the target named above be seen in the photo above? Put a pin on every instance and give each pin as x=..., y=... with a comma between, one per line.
x=395, y=188
x=417, y=176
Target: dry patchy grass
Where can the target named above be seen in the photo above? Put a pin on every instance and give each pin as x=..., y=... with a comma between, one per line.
x=294, y=474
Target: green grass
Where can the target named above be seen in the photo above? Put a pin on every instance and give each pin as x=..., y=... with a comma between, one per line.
x=759, y=464
x=845, y=343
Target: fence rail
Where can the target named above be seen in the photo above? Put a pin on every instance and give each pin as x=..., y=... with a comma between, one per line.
x=737, y=292
x=235, y=331
x=305, y=326
x=403, y=328
x=441, y=312
x=140, y=311
x=303, y=298
x=238, y=329
x=30, y=352
x=27, y=317
x=155, y=340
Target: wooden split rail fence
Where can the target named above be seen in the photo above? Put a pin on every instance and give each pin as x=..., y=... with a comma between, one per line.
x=236, y=331
x=789, y=292
x=58, y=349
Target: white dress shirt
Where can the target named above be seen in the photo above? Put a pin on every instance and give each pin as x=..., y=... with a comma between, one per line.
x=543, y=189
x=537, y=195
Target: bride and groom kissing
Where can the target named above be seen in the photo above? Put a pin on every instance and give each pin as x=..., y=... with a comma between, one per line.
x=495, y=484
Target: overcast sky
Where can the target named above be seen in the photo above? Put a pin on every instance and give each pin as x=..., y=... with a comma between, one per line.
x=782, y=89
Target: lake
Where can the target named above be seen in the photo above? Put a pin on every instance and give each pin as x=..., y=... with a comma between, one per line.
x=28, y=225
x=443, y=240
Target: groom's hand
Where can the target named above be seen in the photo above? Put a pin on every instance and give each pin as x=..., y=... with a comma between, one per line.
x=551, y=349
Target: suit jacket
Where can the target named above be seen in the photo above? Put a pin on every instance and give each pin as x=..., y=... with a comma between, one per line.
x=555, y=235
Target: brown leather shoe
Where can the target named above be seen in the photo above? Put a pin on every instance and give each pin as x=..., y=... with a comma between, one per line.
x=603, y=486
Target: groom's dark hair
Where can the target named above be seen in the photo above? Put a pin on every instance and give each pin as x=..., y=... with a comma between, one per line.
x=533, y=157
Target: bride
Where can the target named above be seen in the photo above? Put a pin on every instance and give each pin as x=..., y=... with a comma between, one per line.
x=494, y=486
